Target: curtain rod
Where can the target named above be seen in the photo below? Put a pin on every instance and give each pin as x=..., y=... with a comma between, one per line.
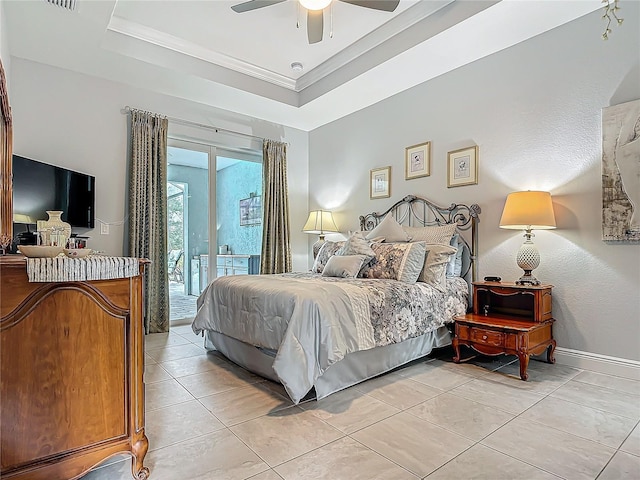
x=127, y=110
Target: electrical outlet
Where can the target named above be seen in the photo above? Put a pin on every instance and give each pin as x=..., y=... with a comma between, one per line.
x=104, y=229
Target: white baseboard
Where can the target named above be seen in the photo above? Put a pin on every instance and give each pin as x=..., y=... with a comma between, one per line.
x=620, y=367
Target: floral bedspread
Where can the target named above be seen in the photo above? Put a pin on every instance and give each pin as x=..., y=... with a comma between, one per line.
x=314, y=321
x=399, y=311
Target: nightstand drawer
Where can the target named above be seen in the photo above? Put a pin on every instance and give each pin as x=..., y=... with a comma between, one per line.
x=487, y=337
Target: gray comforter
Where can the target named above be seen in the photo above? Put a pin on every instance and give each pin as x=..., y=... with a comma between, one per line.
x=314, y=321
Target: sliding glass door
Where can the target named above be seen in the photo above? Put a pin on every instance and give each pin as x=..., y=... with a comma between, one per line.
x=214, y=219
x=189, y=220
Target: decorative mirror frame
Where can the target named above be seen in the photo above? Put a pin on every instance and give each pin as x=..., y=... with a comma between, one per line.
x=6, y=169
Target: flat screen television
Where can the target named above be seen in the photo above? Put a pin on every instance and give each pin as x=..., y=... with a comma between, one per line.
x=38, y=187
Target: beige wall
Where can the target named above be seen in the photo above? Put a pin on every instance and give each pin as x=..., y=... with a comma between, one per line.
x=4, y=46
x=73, y=120
x=534, y=110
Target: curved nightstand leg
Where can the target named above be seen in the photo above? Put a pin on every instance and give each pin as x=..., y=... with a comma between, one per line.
x=139, y=450
x=550, y=350
x=456, y=349
x=523, y=358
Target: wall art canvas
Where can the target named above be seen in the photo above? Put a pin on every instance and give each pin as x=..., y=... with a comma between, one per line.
x=621, y=173
x=251, y=211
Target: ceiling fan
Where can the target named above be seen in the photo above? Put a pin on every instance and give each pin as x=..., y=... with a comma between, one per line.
x=315, y=11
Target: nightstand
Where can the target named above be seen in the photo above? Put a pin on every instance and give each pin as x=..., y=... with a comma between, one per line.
x=508, y=319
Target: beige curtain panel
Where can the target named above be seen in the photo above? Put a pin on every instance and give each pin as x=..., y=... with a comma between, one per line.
x=6, y=147
x=276, y=242
x=147, y=227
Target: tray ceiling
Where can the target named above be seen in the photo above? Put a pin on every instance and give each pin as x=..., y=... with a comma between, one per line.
x=205, y=52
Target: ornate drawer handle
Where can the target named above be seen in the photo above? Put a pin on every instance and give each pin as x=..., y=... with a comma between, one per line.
x=484, y=337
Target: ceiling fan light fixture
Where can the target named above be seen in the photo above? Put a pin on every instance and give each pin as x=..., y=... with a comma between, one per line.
x=315, y=4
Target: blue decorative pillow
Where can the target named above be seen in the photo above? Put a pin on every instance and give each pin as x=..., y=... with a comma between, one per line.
x=454, y=267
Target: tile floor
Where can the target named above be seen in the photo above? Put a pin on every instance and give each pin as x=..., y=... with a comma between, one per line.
x=208, y=419
x=181, y=306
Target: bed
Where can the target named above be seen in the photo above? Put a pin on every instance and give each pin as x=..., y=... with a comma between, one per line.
x=317, y=333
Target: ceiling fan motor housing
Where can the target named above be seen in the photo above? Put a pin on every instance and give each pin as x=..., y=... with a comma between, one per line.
x=315, y=11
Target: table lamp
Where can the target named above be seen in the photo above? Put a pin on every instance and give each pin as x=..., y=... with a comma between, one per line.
x=319, y=222
x=28, y=237
x=528, y=211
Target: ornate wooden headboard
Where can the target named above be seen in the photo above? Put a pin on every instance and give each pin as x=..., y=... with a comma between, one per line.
x=417, y=211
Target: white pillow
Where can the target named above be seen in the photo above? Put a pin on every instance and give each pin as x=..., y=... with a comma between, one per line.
x=390, y=229
x=344, y=266
x=435, y=266
x=432, y=233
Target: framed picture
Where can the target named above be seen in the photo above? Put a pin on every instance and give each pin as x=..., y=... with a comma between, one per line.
x=462, y=167
x=620, y=179
x=380, y=186
x=417, y=161
x=251, y=211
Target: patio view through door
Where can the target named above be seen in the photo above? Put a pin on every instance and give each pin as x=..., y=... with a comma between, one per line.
x=207, y=186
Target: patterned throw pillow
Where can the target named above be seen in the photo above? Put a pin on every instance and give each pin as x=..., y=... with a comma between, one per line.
x=432, y=233
x=390, y=229
x=396, y=261
x=327, y=250
x=356, y=244
x=435, y=266
x=344, y=266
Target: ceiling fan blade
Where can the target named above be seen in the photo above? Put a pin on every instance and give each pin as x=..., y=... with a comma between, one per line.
x=253, y=5
x=315, y=25
x=384, y=5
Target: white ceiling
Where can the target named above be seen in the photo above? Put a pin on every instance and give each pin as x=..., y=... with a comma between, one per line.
x=203, y=51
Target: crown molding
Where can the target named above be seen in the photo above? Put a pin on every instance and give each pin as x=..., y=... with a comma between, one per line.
x=155, y=37
x=368, y=43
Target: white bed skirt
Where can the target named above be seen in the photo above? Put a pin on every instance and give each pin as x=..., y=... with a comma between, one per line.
x=354, y=368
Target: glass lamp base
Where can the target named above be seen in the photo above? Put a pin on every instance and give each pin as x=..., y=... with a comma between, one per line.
x=527, y=279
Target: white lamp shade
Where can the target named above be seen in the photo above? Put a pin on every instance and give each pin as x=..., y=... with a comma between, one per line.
x=21, y=218
x=319, y=222
x=528, y=210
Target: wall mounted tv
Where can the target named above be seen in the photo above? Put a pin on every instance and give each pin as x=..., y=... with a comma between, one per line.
x=38, y=187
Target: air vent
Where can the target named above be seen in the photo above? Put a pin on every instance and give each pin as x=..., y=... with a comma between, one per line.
x=66, y=4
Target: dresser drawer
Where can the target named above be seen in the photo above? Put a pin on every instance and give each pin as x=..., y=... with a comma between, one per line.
x=487, y=337
x=224, y=261
x=241, y=262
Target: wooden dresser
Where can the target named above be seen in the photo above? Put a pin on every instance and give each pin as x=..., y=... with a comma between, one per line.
x=71, y=375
